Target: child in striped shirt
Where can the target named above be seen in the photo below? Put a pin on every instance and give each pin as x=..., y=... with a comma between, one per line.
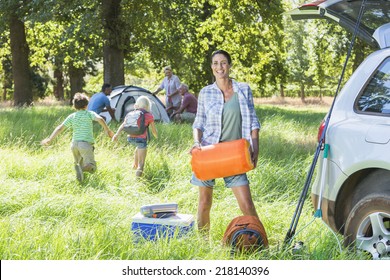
x=81, y=123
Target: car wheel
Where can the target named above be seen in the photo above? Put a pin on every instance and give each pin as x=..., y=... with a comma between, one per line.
x=368, y=226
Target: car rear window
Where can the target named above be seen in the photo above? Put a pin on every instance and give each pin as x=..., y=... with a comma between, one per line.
x=376, y=96
x=376, y=13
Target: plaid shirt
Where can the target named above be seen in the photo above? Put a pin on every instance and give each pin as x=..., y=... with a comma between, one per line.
x=210, y=106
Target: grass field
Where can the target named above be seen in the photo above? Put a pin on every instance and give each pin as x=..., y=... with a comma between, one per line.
x=45, y=214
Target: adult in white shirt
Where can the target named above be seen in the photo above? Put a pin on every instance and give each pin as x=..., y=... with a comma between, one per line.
x=170, y=84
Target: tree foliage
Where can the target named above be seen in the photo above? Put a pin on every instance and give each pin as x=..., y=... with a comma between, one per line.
x=73, y=38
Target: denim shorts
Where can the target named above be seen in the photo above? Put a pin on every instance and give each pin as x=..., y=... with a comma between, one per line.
x=140, y=143
x=230, y=182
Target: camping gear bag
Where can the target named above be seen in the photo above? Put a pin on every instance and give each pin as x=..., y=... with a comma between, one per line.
x=222, y=160
x=135, y=122
x=163, y=210
x=245, y=233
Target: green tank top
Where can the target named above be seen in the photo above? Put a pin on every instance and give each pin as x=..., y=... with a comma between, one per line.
x=231, y=120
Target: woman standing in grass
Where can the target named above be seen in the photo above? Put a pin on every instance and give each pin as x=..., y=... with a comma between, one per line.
x=140, y=141
x=81, y=122
x=225, y=113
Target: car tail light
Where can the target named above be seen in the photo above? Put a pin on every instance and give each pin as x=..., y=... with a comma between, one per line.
x=313, y=4
x=320, y=130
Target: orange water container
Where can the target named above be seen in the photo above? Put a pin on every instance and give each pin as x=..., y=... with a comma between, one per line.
x=222, y=160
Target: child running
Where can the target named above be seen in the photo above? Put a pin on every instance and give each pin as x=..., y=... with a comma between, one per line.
x=81, y=123
x=140, y=141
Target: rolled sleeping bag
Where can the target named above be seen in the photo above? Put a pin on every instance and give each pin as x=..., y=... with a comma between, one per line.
x=222, y=160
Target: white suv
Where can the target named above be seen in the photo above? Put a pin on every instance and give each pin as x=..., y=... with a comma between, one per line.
x=355, y=200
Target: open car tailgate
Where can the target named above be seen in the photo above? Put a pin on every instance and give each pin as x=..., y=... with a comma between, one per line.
x=345, y=12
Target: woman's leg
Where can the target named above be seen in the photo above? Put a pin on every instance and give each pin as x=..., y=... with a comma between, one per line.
x=204, y=207
x=244, y=199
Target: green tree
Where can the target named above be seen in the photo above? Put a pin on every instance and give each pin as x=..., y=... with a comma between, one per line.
x=127, y=27
x=298, y=61
x=113, y=38
x=244, y=28
x=13, y=12
x=71, y=38
x=5, y=66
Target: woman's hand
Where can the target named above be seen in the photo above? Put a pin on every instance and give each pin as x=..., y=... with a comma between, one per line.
x=255, y=151
x=254, y=157
x=195, y=146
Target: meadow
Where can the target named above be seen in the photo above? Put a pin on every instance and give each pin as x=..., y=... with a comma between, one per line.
x=46, y=214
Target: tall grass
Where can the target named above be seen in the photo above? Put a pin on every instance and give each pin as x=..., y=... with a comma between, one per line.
x=46, y=214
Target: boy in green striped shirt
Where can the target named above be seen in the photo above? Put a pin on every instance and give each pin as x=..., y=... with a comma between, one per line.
x=81, y=123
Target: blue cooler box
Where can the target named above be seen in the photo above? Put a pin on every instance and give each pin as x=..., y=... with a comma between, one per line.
x=153, y=228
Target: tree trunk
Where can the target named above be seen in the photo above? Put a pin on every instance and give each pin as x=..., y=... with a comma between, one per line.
x=76, y=80
x=113, y=61
x=23, y=94
x=302, y=92
x=208, y=11
x=58, y=80
x=281, y=90
x=7, y=77
x=113, y=54
x=58, y=84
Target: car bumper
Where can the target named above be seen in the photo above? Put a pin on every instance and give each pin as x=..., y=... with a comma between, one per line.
x=327, y=190
x=327, y=210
